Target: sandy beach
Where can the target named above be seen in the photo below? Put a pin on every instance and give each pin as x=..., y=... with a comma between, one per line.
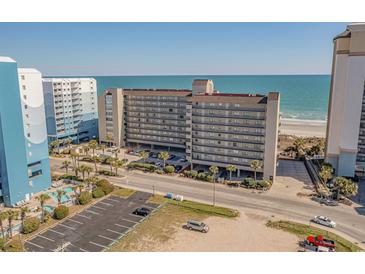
x=303, y=128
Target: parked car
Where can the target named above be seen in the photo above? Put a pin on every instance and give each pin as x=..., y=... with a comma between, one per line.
x=196, y=225
x=323, y=220
x=169, y=195
x=142, y=211
x=321, y=241
x=179, y=198
x=171, y=157
x=178, y=169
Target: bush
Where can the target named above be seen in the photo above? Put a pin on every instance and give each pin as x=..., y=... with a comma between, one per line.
x=142, y=166
x=98, y=192
x=263, y=183
x=60, y=212
x=105, y=186
x=69, y=177
x=85, y=197
x=160, y=171
x=30, y=225
x=169, y=169
x=2, y=243
x=106, y=172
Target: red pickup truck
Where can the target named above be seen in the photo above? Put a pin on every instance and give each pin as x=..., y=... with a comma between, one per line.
x=321, y=241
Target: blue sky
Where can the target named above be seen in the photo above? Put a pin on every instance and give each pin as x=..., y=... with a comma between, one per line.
x=171, y=48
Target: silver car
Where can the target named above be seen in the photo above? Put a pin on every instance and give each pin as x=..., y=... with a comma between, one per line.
x=322, y=220
x=196, y=225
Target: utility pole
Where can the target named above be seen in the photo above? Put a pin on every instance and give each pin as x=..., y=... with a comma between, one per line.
x=153, y=190
x=213, y=192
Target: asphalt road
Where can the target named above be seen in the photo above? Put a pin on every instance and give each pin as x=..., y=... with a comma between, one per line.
x=349, y=221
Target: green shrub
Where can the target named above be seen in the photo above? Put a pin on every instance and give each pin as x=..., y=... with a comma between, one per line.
x=85, y=197
x=69, y=177
x=2, y=243
x=169, y=169
x=30, y=225
x=263, y=183
x=106, y=172
x=142, y=166
x=160, y=171
x=105, y=185
x=60, y=212
x=98, y=192
x=209, y=178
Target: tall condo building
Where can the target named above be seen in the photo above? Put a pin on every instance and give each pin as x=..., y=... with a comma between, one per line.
x=346, y=115
x=24, y=162
x=209, y=127
x=71, y=108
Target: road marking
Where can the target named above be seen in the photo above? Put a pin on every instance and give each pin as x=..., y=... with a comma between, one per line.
x=136, y=215
x=130, y=221
x=98, y=207
x=36, y=245
x=105, y=204
x=56, y=231
x=45, y=238
x=113, y=231
x=150, y=207
x=97, y=244
x=93, y=212
x=83, y=216
x=67, y=226
x=122, y=226
x=75, y=221
x=79, y=248
x=114, y=200
x=110, y=239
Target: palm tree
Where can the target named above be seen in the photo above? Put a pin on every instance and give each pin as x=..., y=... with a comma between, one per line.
x=56, y=144
x=119, y=164
x=255, y=165
x=66, y=165
x=326, y=173
x=77, y=170
x=214, y=170
x=60, y=193
x=81, y=187
x=67, y=142
x=88, y=169
x=3, y=217
x=144, y=155
x=299, y=146
x=116, y=151
x=346, y=186
x=109, y=139
x=11, y=214
x=164, y=155
x=110, y=161
x=74, y=156
x=42, y=199
x=93, y=144
x=82, y=169
x=86, y=150
x=102, y=147
x=231, y=168
x=96, y=159
x=23, y=214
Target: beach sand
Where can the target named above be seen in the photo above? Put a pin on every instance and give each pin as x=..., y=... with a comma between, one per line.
x=303, y=128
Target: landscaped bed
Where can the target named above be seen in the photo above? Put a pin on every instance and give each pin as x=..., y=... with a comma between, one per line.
x=302, y=231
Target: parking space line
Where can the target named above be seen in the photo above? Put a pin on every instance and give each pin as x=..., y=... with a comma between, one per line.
x=105, y=203
x=111, y=199
x=67, y=226
x=93, y=212
x=83, y=216
x=97, y=244
x=150, y=207
x=122, y=226
x=75, y=221
x=136, y=215
x=130, y=221
x=110, y=239
x=56, y=231
x=36, y=245
x=98, y=207
x=116, y=232
x=79, y=248
x=45, y=238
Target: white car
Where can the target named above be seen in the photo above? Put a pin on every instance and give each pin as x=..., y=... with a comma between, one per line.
x=322, y=220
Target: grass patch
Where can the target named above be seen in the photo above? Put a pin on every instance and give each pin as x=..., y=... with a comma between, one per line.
x=124, y=192
x=302, y=231
x=197, y=207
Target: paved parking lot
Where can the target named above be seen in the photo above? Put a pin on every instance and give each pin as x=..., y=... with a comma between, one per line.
x=93, y=229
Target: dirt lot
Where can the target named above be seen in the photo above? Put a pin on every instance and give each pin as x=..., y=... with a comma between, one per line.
x=164, y=232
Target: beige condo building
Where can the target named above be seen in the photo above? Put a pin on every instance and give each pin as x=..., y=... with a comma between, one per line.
x=211, y=128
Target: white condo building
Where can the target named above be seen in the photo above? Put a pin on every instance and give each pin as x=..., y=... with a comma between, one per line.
x=71, y=108
x=346, y=115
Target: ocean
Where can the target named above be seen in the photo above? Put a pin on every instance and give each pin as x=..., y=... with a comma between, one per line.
x=303, y=97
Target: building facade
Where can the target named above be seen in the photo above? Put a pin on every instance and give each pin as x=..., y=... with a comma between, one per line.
x=24, y=162
x=345, y=148
x=71, y=108
x=209, y=127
